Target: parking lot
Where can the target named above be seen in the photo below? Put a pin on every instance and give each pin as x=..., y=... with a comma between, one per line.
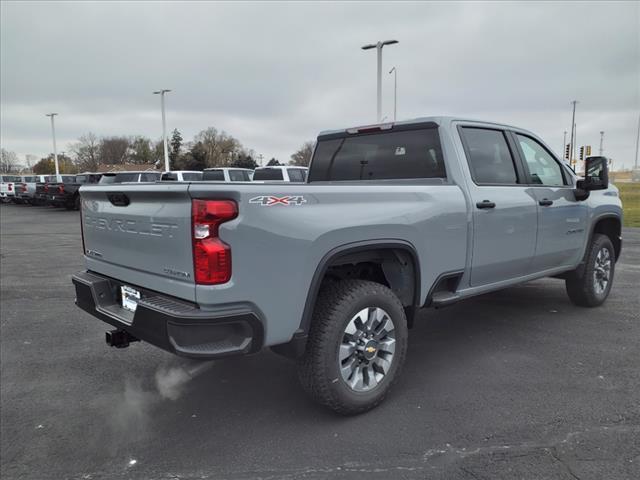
x=514, y=384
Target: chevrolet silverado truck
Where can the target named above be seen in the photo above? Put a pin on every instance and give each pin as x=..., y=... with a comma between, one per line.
x=67, y=192
x=7, y=187
x=331, y=272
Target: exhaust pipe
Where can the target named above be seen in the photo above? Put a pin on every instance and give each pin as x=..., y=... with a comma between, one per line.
x=120, y=338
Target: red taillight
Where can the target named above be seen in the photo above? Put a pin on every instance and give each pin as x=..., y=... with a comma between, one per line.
x=23, y=187
x=61, y=188
x=10, y=186
x=211, y=256
x=46, y=188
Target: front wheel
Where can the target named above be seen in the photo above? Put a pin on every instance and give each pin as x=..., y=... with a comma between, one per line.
x=357, y=346
x=589, y=285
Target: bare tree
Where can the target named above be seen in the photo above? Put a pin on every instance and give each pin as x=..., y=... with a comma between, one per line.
x=220, y=148
x=114, y=150
x=302, y=156
x=87, y=152
x=8, y=161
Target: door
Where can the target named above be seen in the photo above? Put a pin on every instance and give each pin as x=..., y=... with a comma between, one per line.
x=504, y=209
x=561, y=218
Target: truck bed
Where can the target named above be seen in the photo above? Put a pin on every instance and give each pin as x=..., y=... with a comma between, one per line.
x=277, y=241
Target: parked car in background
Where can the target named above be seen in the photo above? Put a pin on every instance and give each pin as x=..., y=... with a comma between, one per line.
x=227, y=174
x=182, y=176
x=281, y=174
x=7, y=187
x=129, y=177
x=42, y=188
x=26, y=189
x=67, y=193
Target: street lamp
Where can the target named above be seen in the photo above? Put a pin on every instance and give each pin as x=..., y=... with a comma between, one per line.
x=394, y=70
x=55, y=151
x=164, y=128
x=378, y=46
x=573, y=140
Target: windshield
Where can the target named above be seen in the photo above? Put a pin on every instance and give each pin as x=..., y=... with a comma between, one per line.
x=126, y=177
x=191, y=176
x=239, y=176
x=213, y=175
x=268, y=174
x=108, y=178
x=150, y=176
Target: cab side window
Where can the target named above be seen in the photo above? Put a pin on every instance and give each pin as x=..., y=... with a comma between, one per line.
x=490, y=158
x=543, y=168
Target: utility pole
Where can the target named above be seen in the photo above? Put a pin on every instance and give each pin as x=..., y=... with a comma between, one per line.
x=575, y=134
x=394, y=70
x=55, y=151
x=573, y=127
x=378, y=46
x=601, y=141
x=635, y=165
x=164, y=128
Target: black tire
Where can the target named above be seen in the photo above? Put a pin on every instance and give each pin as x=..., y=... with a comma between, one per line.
x=583, y=285
x=318, y=369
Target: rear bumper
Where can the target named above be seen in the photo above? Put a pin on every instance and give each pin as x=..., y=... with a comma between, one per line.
x=174, y=325
x=58, y=199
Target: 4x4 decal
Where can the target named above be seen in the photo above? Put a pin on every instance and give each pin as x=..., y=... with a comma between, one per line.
x=270, y=200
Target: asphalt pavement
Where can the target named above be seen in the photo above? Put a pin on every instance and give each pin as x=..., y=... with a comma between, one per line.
x=514, y=384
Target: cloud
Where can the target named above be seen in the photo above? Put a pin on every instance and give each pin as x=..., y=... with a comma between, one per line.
x=275, y=74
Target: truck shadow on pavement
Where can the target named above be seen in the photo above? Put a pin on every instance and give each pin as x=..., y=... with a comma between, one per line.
x=249, y=390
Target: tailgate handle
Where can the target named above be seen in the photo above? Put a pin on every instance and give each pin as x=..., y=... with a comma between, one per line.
x=118, y=199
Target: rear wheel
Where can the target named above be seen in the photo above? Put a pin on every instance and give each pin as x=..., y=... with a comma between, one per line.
x=589, y=285
x=357, y=346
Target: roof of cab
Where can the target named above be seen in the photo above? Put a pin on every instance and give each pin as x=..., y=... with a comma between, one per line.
x=438, y=120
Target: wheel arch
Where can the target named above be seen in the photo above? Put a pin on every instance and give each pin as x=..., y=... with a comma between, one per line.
x=373, y=250
x=611, y=226
x=359, y=252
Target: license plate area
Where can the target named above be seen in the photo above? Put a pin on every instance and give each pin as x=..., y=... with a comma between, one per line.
x=129, y=298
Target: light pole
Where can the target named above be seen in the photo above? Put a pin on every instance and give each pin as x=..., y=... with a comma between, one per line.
x=378, y=46
x=564, y=144
x=635, y=165
x=394, y=70
x=573, y=129
x=601, y=141
x=55, y=151
x=164, y=128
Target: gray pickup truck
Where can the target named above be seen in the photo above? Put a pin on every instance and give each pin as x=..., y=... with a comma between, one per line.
x=392, y=218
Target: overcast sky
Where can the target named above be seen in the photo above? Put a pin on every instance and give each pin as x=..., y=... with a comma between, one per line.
x=274, y=74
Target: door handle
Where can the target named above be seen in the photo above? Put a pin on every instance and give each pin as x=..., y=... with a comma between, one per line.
x=485, y=204
x=545, y=202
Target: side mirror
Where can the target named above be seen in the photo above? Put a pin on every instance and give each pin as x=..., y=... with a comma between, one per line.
x=596, y=174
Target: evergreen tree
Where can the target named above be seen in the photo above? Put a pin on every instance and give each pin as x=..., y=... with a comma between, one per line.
x=174, y=152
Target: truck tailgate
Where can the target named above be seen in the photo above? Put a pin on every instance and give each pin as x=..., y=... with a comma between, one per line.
x=140, y=234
